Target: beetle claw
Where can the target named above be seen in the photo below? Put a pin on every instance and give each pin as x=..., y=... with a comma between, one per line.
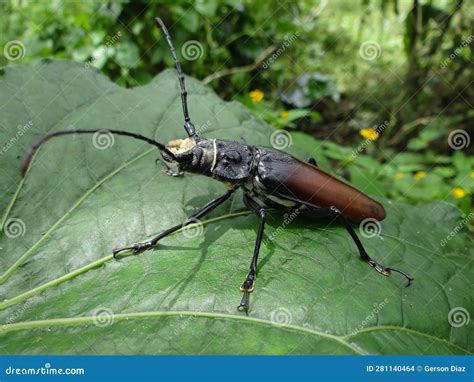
x=244, y=303
x=388, y=271
x=135, y=249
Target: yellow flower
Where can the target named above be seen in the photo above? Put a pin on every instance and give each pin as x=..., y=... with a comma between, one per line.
x=284, y=115
x=369, y=134
x=458, y=192
x=419, y=175
x=256, y=95
x=471, y=174
x=399, y=175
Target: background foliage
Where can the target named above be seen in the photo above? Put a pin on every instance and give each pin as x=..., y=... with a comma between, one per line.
x=339, y=70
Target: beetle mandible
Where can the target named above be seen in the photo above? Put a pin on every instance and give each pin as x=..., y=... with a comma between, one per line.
x=268, y=177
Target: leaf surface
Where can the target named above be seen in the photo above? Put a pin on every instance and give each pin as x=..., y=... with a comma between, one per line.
x=62, y=293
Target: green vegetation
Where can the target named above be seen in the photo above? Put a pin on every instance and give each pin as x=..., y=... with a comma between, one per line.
x=336, y=70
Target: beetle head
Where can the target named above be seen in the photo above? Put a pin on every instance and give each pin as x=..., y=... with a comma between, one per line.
x=191, y=155
x=224, y=160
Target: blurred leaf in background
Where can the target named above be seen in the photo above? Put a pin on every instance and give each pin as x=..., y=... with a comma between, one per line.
x=328, y=69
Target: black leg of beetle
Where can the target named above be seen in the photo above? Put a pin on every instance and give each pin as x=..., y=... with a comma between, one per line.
x=140, y=247
x=316, y=211
x=168, y=170
x=312, y=161
x=363, y=254
x=248, y=284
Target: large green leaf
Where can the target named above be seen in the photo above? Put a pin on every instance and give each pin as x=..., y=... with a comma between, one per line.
x=63, y=293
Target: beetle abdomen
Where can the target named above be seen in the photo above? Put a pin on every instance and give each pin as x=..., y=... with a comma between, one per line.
x=285, y=175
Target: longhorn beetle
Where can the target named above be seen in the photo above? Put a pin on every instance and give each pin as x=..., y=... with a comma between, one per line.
x=268, y=177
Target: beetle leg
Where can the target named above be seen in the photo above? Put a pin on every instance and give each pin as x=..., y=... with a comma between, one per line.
x=248, y=285
x=140, y=247
x=386, y=271
x=312, y=161
x=334, y=211
x=168, y=170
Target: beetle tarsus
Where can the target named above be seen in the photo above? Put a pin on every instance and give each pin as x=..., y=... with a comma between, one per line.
x=379, y=267
x=135, y=248
x=388, y=271
x=408, y=276
x=244, y=303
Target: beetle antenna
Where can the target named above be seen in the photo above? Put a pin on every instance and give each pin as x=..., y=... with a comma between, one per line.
x=35, y=147
x=189, y=127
